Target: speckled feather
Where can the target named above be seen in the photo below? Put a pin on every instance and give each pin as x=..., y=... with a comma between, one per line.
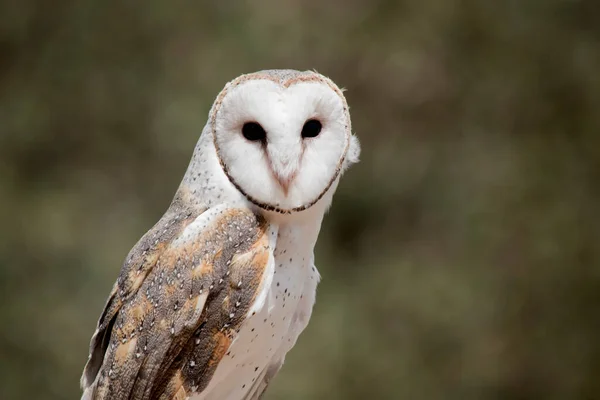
x=177, y=305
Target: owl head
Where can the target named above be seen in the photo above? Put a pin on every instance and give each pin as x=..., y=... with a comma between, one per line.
x=283, y=138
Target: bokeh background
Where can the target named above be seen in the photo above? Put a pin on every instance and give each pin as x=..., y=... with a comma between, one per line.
x=461, y=258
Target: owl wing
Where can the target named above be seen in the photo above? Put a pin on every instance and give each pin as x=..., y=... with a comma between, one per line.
x=183, y=291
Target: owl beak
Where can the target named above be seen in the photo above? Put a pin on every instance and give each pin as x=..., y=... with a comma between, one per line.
x=285, y=181
x=284, y=159
x=284, y=172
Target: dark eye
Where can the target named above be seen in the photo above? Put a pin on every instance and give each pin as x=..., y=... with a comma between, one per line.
x=254, y=132
x=311, y=128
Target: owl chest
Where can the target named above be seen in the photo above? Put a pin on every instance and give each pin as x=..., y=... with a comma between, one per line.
x=269, y=332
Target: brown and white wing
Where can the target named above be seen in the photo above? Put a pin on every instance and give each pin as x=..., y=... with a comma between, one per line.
x=183, y=292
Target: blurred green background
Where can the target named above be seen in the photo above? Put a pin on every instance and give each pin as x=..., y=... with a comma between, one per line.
x=461, y=258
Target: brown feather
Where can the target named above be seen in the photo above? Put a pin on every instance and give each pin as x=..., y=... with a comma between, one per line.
x=176, y=306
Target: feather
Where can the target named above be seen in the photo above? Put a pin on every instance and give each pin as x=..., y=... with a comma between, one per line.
x=181, y=295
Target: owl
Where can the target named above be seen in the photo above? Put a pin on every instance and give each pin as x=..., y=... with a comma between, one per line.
x=211, y=299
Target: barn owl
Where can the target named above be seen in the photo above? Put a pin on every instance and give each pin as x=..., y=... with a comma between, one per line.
x=211, y=299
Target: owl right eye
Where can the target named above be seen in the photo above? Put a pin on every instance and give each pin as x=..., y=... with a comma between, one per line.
x=311, y=128
x=254, y=132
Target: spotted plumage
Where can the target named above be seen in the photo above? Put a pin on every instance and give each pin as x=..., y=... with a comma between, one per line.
x=211, y=299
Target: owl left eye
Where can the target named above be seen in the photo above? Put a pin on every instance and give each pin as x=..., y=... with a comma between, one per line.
x=311, y=128
x=254, y=132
